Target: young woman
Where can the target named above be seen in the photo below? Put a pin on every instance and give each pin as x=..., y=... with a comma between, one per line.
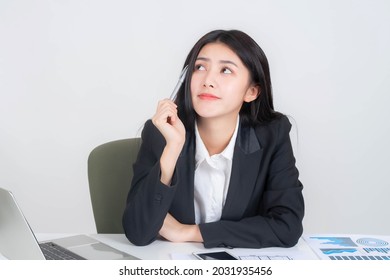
x=216, y=165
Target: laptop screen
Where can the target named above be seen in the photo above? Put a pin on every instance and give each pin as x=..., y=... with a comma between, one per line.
x=17, y=240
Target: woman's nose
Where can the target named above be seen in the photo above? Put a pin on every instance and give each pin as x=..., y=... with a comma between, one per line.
x=208, y=85
x=209, y=80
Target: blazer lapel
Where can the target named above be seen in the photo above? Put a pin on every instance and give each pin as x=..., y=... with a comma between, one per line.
x=245, y=167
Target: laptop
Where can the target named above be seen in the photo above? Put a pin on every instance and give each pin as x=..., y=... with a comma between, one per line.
x=18, y=242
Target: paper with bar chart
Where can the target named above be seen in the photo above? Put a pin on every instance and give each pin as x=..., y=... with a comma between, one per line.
x=349, y=247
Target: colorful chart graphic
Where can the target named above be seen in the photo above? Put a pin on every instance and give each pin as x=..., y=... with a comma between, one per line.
x=372, y=242
x=377, y=250
x=359, y=258
x=338, y=251
x=339, y=241
x=350, y=247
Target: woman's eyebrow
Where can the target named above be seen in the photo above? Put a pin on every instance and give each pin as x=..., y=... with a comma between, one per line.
x=220, y=61
x=228, y=62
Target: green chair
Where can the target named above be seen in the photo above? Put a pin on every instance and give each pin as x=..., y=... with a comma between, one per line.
x=110, y=171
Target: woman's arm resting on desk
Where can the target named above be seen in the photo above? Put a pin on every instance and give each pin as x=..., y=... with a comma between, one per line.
x=175, y=231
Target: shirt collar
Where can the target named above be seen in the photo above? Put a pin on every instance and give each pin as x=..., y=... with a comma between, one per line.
x=201, y=151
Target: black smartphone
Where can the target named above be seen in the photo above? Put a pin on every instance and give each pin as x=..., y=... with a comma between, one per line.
x=220, y=255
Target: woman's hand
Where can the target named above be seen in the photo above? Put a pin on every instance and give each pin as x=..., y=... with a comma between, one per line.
x=168, y=123
x=173, y=130
x=174, y=231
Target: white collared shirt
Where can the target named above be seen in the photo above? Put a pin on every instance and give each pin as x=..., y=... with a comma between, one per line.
x=212, y=178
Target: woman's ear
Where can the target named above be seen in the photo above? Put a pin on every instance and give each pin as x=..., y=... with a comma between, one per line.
x=252, y=93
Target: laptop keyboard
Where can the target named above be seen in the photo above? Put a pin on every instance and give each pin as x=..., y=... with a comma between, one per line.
x=52, y=251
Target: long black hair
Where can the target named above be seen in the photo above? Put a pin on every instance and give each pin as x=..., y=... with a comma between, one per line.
x=261, y=109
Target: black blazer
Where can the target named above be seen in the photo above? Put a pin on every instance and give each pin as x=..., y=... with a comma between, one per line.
x=264, y=205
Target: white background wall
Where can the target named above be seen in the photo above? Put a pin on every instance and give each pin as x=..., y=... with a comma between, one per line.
x=75, y=74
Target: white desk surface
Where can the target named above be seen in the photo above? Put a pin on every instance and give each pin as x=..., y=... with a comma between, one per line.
x=307, y=248
x=165, y=250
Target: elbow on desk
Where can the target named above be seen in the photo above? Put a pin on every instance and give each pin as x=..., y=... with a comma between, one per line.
x=290, y=238
x=289, y=229
x=138, y=240
x=134, y=233
x=291, y=242
x=135, y=237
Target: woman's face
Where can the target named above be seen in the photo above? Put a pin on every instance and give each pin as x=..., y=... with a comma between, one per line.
x=220, y=82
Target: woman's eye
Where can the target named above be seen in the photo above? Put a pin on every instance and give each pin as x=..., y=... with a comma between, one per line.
x=199, y=67
x=226, y=71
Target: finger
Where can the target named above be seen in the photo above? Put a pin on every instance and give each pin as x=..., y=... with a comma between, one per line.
x=165, y=103
x=165, y=115
x=168, y=109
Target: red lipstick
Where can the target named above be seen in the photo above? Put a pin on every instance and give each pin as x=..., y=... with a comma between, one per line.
x=208, y=96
